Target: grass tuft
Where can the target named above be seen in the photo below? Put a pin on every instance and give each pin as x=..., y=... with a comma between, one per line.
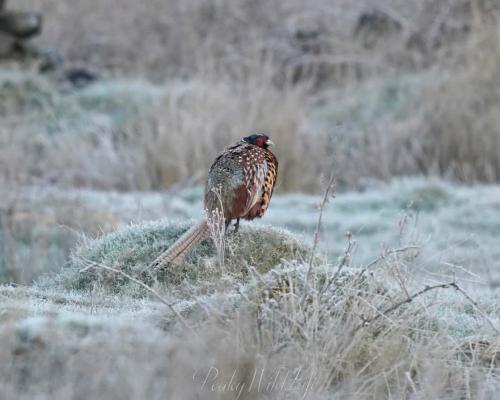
x=132, y=250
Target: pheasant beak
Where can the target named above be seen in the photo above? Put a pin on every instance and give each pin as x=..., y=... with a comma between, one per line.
x=269, y=143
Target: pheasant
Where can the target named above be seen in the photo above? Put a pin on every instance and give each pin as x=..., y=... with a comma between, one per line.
x=240, y=184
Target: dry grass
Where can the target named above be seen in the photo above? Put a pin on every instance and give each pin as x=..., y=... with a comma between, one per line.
x=231, y=68
x=165, y=138
x=460, y=136
x=440, y=123
x=411, y=90
x=364, y=330
x=194, y=123
x=162, y=39
x=354, y=334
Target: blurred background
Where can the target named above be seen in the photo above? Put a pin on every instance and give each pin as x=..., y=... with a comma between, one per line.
x=112, y=112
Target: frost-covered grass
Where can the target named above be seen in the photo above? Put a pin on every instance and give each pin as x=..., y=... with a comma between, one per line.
x=438, y=346
x=52, y=108
x=132, y=250
x=454, y=224
x=457, y=225
x=420, y=101
x=53, y=133
x=95, y=334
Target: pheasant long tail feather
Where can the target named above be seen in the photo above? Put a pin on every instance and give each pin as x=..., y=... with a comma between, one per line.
x=176, y=253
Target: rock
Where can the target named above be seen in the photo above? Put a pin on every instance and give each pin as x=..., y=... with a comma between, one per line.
x=20, y=25
x=80, y=77
x=375, y=25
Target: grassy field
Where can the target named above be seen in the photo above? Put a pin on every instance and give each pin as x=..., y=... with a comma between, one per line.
x=394, y=296
x=83, y=320
x=392, y=87
x=454, y=224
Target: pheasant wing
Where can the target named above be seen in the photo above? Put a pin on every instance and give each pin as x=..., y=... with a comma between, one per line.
x=254, y=175
x=269, y=183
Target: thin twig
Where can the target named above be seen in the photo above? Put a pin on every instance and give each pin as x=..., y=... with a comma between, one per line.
x=328, y=192
x=394, y=307
x=476, y=305
x=388, y=253
x=409, y=299
x=93, y=264
x=343, y=262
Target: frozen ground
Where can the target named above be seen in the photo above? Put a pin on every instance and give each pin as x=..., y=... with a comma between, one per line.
x=456, y=226
x=99, y=325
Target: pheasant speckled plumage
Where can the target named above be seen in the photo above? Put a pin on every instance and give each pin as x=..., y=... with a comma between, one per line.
x=240, y=185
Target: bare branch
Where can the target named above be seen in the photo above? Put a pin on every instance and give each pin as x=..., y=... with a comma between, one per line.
x=394, y=307
x=387, y=253
x=409, y=299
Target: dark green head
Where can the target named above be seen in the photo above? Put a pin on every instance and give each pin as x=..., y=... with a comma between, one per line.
x=259, y=139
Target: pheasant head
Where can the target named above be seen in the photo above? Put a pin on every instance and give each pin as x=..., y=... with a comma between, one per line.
x=259, y=139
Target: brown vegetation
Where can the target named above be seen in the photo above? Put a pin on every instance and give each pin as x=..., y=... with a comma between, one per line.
x=427, y=70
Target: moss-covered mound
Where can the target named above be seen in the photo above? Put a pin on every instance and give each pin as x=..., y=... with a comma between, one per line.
x=133, y=249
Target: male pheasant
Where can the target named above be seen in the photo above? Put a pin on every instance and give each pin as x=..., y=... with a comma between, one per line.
x=240, y=184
